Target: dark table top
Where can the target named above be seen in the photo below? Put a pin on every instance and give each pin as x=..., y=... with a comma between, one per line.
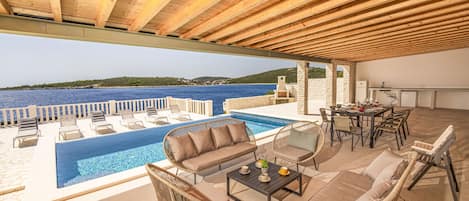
x=367, y=112
x=251, y=180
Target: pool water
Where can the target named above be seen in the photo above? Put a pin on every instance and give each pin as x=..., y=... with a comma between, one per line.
x=82, y=160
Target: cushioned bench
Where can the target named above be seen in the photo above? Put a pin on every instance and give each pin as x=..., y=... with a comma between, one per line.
x=197, y=147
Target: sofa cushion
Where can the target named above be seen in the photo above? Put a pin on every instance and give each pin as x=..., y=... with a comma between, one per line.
x=379, y=163
x=346, y=186
x=215, y=157
x=376, y=192
x=292, y=153
x=182, y=147
x=386, y=174
x=221, y=136
x=202, y=140
x=303, y=140
x=238, y=132
x=237, y=150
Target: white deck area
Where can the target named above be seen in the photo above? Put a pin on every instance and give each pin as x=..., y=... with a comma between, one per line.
x=288, y=111
x=16, y=162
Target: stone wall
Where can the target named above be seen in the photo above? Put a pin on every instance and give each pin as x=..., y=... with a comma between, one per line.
x=317, y=89
x=247, y=102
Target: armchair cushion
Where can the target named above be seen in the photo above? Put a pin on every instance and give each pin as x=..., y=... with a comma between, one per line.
x=292, y=153
x=380, y=163
x=202, y=140
x=238, y=132
x=303, y=140
x=182, y=147
x=221, y=136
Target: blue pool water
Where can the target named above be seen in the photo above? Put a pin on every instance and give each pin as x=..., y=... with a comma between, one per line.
x=217, y=93
x=82, y=160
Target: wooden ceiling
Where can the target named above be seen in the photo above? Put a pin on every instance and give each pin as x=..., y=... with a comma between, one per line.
x=352, y=30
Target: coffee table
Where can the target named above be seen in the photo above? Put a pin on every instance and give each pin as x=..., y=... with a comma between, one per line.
x=277, y=181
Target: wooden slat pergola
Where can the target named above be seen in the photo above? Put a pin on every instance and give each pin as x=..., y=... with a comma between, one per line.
x=314, y=30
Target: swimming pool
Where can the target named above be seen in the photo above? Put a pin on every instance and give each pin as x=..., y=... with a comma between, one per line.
x=86, y=159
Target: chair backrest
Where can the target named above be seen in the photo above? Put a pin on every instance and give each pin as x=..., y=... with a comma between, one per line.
x=323, y=114
x=97, y=116
x=396, y=190
x=281, y=138
x=443, y=143
x=169, y=187
x=127, y=114
x=68, y=120
x=174, y=109
x=27, y=124
x=151, y=111
x=342, y=123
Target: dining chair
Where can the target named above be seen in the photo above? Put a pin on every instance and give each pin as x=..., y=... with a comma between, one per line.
x=343, y=124
x=391, y=125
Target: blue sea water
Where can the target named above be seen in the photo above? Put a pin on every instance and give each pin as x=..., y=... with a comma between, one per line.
x=217, y=93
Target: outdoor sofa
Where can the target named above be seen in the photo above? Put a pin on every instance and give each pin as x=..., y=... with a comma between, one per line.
x=198, y=147
x=382, y=180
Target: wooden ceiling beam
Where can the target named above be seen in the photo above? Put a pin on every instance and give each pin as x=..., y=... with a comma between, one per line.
x=310, y=22
x=463, y=43
x=105, y=8
x=395, y=30
x=349, y=28
x=397, y=48
x=5, y=8
x=224, y=17
x=150, y=9
x=315, y=9
x=259, y=17
x=185, y=15
x=394, y=40
x=56, y=8
x=396, y=44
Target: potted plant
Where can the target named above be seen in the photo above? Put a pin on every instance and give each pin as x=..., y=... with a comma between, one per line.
x=265, y=167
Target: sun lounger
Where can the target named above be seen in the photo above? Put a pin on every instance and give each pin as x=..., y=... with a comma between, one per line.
x=99, y=123
x=27, y=128
x=154, y=117
x=129, y=121
x=177, y=114
x=68, y=128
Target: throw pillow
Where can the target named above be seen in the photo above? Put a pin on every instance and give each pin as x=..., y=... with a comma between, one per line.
x=221, y=136
x=379, y=163
x=387, y=173
x=238, y=132
x=202, y=140
x=182, y=147
x=303, y=140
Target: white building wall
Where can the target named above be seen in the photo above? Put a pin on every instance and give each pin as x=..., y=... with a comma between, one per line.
x=446, y=69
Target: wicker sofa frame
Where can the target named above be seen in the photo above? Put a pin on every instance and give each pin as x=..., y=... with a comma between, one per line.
x=183, y=130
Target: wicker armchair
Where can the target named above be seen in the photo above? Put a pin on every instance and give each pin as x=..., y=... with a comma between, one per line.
x=234, y=153
x=282, y=149
x=169, y=187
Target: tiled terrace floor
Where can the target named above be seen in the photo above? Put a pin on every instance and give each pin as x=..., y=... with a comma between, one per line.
x=15, y=162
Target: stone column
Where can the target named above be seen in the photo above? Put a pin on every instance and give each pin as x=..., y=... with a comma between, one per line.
x=331, y=84
x=112, y=107
x=349, y=83
x=302, y=87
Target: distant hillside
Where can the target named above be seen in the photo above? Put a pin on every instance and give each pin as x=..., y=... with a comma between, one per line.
x=271, y=76
x=265, y=77
x=111, y=82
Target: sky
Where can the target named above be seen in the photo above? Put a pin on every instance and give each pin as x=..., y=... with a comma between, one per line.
x=30, y=60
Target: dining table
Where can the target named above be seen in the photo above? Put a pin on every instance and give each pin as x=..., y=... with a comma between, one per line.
x=370, y=111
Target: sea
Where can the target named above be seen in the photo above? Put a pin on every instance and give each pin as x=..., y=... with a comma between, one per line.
x=217, y=93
